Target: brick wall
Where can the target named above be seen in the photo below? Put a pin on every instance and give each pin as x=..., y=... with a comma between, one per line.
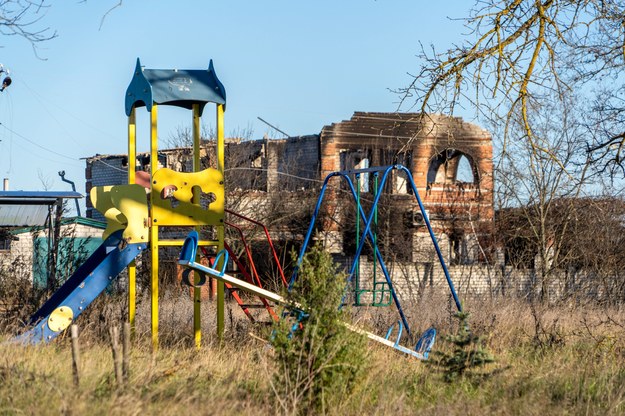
x=432, y=148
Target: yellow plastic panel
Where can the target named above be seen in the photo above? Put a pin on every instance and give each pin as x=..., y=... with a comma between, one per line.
x=60, y=318
x=132, y=201
x=174, y=195
x=101, y=200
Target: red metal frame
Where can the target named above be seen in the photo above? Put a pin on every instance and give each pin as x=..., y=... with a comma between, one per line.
x=251, y=275
x=266, y=231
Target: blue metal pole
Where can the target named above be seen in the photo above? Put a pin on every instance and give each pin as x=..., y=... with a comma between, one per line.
x=367, y=233
x=432, y=236
x=311, y=227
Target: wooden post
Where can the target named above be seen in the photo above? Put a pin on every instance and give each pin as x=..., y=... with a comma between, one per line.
x=117, y=359
x=75, y=355
x=126, y=351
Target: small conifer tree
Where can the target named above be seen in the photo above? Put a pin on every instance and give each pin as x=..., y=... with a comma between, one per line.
x=467, y=355
x=318, y=359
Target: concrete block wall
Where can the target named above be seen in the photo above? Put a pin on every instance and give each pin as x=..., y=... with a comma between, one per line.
x=298, y=158
x=20, y=255
x=412, y=280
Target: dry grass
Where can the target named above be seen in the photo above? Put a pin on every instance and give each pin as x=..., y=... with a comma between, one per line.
x=38, y=381
x=550, y=360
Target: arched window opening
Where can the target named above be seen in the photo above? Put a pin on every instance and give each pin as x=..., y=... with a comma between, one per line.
x=451, y=166
x=435, y=173
x=464, y=171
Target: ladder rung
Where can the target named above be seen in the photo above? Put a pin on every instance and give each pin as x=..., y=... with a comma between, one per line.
x=253, y=306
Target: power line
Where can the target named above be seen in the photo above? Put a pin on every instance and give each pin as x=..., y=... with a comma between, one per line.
x=278, y=173
x=38, y=145
x=109, y=165
x=41, y=100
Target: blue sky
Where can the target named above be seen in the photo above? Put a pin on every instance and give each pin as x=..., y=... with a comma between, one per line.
x=298, y=65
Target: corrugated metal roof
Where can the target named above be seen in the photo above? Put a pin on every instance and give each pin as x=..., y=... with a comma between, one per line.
x=29, y=208
x=22, y=215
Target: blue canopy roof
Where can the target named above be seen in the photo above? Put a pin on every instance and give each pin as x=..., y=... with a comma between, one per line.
x=177, y=87
x=36, y=197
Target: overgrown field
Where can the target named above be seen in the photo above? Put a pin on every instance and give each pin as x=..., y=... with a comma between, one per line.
x=549, y=360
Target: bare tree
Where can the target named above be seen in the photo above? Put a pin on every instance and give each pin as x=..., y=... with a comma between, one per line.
x=538, y=191
x=182, y=136
x=520, y=52
x=23, y=18
x=606, y=131
x=46, y=180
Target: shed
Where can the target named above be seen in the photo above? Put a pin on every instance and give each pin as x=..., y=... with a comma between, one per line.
x=30, y=250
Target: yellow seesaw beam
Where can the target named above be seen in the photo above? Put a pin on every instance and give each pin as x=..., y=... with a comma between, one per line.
x=274, y=297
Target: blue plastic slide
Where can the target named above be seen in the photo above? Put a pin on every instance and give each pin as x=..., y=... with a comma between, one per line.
x=89, y=280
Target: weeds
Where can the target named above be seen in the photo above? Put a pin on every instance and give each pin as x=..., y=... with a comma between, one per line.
x=584, y=375
x=18, y=297
x=545, y=336
x=235, y=378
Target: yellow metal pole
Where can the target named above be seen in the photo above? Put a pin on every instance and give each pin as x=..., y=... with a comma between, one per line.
x=154, y=227
x=197, y=290
x=132, y=144
x=220, y=228
x=132, y=268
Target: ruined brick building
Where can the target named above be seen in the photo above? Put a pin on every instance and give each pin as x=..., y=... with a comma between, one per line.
x=450, y=160
x=451, y=164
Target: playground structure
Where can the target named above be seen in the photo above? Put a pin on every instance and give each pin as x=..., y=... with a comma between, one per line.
x=197, y=199
x=353, y=179
x=176, y=199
